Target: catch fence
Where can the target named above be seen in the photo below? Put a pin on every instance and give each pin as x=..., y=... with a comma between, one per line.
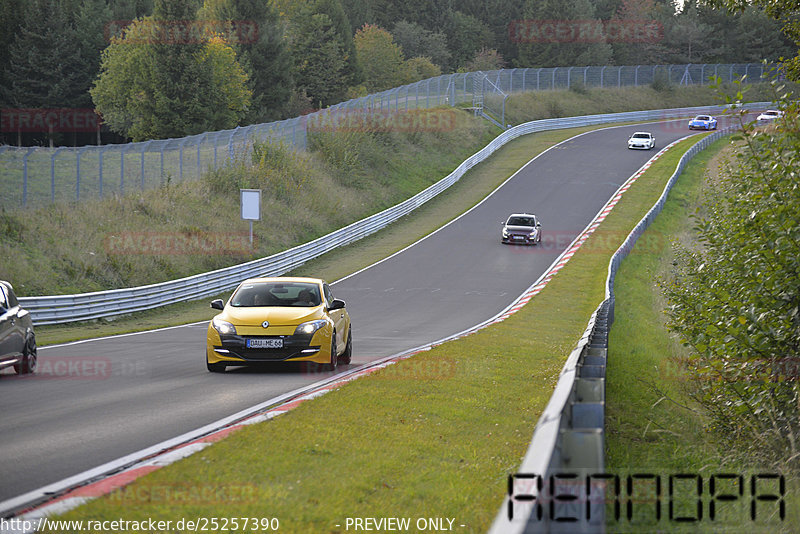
x=36, y=176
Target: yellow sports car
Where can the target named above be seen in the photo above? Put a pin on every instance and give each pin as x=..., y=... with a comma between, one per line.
x=279, y=319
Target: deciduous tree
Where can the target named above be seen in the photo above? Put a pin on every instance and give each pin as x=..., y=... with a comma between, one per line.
x=142, y=98
x=257, y=38
x=380, y=58
x=485, y=59
x=419, y=68
x=416, y=41
x=465, y=36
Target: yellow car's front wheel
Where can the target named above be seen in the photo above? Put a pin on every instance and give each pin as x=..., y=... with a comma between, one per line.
x=334, y=363
x=347, y=355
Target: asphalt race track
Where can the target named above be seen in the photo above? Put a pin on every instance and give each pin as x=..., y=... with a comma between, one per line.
x=125, y=393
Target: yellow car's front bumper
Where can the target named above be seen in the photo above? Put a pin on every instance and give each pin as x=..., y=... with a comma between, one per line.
x=233, y=349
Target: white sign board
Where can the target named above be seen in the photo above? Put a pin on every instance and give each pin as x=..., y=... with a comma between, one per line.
x=251, y=204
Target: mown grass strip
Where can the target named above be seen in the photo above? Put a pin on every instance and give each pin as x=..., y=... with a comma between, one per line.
x=652, y=423
x=432, y=436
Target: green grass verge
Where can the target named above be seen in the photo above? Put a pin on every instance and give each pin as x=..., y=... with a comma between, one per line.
x=652, y=423
x=432, y=436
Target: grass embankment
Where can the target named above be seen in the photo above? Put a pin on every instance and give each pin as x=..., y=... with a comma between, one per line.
x=432, y=436
x=195, y=226
x=652, y=423
x=581, y=101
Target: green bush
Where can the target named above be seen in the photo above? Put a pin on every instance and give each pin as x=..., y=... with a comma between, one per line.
x=661, y=82
x=554, y=109
x=579, y=87
x=341, y=151
x=736, y=301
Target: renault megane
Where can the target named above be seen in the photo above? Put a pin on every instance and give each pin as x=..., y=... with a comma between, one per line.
x=279, y=319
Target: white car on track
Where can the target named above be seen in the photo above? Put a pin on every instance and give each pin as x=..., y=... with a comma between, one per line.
x=642, y=140
x=769, y=115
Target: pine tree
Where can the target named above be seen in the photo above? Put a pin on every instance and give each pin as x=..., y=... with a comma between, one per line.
x=11, y=16
x=320, y=67
x=783, y=11
x=652, y=51
x=91, y=19
x=568, y=49
x=334, y=10
x=43, y=63
x=128, y=10
x=178, y=76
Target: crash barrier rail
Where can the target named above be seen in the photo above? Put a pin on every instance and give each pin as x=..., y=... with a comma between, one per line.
x=34, y=176
x=569, y=439
x=69, y=308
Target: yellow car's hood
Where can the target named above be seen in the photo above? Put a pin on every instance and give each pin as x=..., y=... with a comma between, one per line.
x=276, y=315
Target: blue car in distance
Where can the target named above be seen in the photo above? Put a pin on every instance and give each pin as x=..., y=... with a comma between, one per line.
x=703, y=122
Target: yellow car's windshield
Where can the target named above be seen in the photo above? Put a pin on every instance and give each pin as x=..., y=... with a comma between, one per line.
x=276, y=294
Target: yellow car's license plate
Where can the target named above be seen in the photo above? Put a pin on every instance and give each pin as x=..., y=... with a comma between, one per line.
x=267, y=343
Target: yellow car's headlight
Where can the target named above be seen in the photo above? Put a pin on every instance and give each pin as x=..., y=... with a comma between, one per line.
x=223, y=327
x=308, y=329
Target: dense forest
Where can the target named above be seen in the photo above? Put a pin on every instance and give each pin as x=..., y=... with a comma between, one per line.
x=158, y=68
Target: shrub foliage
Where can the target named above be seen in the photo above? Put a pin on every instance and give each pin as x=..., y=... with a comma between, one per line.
x=735, y=299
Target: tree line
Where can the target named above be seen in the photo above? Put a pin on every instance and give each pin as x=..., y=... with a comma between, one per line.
x=157, y=68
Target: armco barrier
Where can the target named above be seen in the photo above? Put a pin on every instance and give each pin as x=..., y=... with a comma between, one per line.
x=569, y=439
x=81, y=307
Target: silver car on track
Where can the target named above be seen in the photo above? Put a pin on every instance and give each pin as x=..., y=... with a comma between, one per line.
x=522, y=229
x=17, y=342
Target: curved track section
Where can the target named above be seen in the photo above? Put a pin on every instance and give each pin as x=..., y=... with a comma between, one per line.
x=99, y=400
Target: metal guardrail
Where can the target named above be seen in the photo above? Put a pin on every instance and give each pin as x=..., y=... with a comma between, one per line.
x=59, y=309
x=33, y=176
x=569, y=439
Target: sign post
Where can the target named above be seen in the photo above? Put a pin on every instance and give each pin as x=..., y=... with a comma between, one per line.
x=251, y=207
